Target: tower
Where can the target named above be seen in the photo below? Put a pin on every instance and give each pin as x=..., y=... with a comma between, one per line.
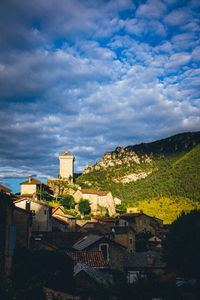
x=67, y=165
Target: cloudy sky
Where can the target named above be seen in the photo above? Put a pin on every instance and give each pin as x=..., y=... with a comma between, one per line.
x=89, y=75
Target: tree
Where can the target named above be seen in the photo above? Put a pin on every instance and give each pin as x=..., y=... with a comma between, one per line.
x=67, y=201
x=121, y=208
x=141, y=241
x=84, y=206
x=44, y=195
x=182, y=246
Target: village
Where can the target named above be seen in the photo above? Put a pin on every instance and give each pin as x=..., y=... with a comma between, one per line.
x=99, y=240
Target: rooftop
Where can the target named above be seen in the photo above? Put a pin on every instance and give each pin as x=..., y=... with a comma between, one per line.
x=101, y=277
x=86, y=241
x=5, y=189
x=32, y=181
x=66, y=153
x=93, y=259
x=139, y=260
x=93, y=192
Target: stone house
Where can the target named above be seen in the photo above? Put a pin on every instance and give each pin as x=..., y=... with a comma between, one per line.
x=140, y=222
x=41, y=213
x=142, y=264
x=100, y=201
x=7, y=233
x=124, y=236
x=112, y=251
x=32, y=186
x=62, y=221
x=23, y=222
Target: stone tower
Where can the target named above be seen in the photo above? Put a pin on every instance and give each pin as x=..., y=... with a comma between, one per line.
x=67, y=166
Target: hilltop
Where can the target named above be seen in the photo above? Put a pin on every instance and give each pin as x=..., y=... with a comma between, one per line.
x=168, y=168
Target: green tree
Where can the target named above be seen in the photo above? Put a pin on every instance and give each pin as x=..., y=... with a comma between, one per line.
x=182, y=246
x=44, y=195
x=67, y=201
x=121, y=208
x=84, y=206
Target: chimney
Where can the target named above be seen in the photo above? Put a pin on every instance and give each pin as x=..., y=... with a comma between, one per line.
x=28, y=206
x=151, y=259
x=29, y=179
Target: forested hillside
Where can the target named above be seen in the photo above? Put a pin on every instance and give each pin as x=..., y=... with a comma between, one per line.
x=169, y=168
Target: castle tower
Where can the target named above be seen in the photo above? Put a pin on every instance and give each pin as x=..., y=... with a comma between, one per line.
x=67, y=165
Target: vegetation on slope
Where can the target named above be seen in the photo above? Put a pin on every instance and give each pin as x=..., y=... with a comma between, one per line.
x=174, y=168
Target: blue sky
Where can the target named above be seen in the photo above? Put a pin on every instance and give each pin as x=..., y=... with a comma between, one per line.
x=88, y=76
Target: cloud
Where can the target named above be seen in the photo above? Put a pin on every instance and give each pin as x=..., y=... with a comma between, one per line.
x=152, y=9
x=88, y=76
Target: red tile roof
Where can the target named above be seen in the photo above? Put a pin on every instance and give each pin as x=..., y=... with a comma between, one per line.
x=5, y=189
x=99, y=193
x=32, y=181
x=93, y=259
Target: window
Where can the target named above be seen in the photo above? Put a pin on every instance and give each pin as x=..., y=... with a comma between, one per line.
x=104, y=249
x=130, y=241
x=45, y=212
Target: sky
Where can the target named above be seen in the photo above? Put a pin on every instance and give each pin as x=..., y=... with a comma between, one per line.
x=86, y=76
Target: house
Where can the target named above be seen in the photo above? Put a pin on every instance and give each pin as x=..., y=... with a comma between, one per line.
x=33, y=186
x=124, y=236
x=90, y=279
x=63, y=241
x=41, y=212
x=23, y=222
x=7, y=233
x=140, y=222
x=101, y=202
x=112, y=251
x=62, y=221
x=142, y=264
x=5, y=189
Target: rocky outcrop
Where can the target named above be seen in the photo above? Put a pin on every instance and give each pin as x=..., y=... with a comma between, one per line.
x=120, y=157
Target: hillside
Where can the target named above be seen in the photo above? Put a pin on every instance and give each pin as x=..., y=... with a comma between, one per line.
x=166, y=168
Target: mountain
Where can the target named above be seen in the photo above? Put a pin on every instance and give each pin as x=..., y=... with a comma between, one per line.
x=166, y=168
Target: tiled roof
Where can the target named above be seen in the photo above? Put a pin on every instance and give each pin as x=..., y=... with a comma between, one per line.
x=25, y=198
x=52, y=295
x=54, y=209
x=154, y=239
x=32, y=181
x=5, y=189
x=105, y=219
x=96, y=228
x=93, y=192
x=62, y=240
x=90, y=239
x=100, y=276
x=140, y=260
x=93, y=259
x=86, y=241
